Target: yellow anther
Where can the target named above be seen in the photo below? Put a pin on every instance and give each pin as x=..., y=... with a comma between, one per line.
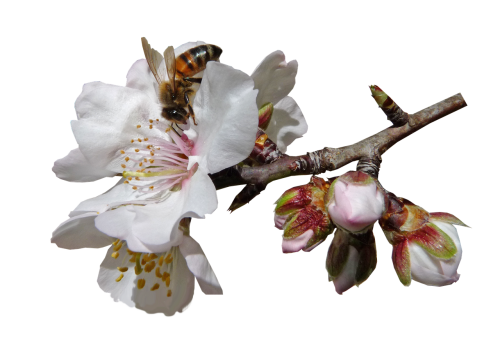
x=153, y=256
x=137, y=151
x=138, y=126
x=169, y=259
x=118, y=247
x=126, y=182
x=151, y=187
x=132, y=259
x=145, y=139
x=129, y=178
x=115, y=254
x=158, y=148
x=156, y=286
x=139, y=140
x=145, y=160
x=157, y=120
x=149, y=171
x=146, y=257
x=165, y=276
x=169, y=293
x=167, y=281
x=138, y=171
x=152, y=153
x=151, y=161
x=127, y=159
x=167, y=130
x=141, y=283
x=150, y=266
x=129, y=252
x=116, y=242
x=160, y=261
x=140, y=164
x=150, y=126
x=157, y=272
x=142, y=170
x=150, y=121
x=132, y=141
x=134, y=187
x=122, y=269
x=123, y=165
x=119, y=278
x=122, y=151
x=137, y=178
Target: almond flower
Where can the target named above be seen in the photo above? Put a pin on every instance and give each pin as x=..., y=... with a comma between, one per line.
x=120, y=131
x=280, y=116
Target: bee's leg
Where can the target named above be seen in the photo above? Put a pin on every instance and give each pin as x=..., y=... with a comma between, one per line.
x=196, y=80
x=191, y=113
x=172, y=127
x=186, y=97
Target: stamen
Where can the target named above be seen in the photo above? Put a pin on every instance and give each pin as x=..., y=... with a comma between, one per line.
x=118, y=247
x=122, y=269
x=169, y=259
x=169, y=293
x=156, y=286
x=122, y=151
x=157, y=272
x=141, y=283
x=136, y=150
x=150, y=266
x=124, y=166
x=115, y=254
x=167, y=281
x=127, y=159
x=132, y=141
x=119, y=278
x=138, y=126
x=145, y=139
x=150, y=121
x=150, y=126
x=160, y=261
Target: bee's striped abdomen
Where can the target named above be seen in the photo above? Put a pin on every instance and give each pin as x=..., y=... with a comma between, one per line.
x=195, y=59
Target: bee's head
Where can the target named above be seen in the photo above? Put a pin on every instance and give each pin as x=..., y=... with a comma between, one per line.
x=175, y=114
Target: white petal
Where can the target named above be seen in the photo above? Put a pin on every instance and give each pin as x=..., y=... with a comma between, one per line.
x=80, y=232
x=287, y=123
x=298, y=243
x=427, y=269
x=198, y=264
x=108, y=120
x=274, y=78
x=74, y=167
x=152, y=301
x=227, y=118
x=450, y=266
x=154, y=227
x=140, y=78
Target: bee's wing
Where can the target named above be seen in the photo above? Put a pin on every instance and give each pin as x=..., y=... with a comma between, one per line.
x=171, y=66
x=154, y=61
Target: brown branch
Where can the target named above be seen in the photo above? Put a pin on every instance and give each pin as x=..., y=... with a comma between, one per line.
x=330, y=159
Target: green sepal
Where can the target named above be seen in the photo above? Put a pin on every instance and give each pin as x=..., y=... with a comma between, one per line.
x=365, y=245
x=265, y=114
x=338, y=253
x=401, y=261
x=448, y=218
x=433, y=240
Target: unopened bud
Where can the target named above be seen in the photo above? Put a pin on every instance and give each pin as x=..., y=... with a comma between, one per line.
x=265, y=114
x=302, y=215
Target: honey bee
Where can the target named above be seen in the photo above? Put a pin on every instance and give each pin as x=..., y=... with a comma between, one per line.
x=174, y=93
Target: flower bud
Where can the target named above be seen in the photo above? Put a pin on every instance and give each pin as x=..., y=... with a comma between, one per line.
x=265, y=114
x=351, y=259
x=355, y=201
x=301, y=213
x=426, y=246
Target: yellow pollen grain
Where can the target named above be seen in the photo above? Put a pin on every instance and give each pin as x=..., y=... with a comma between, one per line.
x=119, y=278
x=122, y=269
x=151, y=161
x=151, y=187
x=150, y=121
x=160, y=261
x=169, y=259
x=123, y=165
x=138, y=126
x=169, y=293
x=156, y=286
x=132, y=141
x=139, y=140
x=115, y=254
x=122, y=151
x=167, y=281
x=116, y=242
x=129, y=178
x=118, y=247
x=136, y=150
x=127, y=159
x=134, y=187
x=141, y=283
x=145, y=139
x=157, y=272
x=140, y=164
x=150, y=126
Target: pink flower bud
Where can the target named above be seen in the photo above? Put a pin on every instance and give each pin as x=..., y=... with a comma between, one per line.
x=355, y=201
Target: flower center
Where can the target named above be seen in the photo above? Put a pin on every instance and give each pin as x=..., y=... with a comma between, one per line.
x=153, y=271
x=157, y=164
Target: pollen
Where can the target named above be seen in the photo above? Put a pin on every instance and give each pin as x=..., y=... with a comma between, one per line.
x=138, y=126
x=122, y=151
x=151, y=161
x=116, y=242
x=151, y=187
x=169, y=259
x=167, y=130
x=145, y=139
x=127, y=159
x=136, y=150
x=169, y=293
x=167, y=281
x=137, y=178
x=115, y=254
x=141, y=283
x=152, y=153
x=156, y=286
x=150, y=121
x=165, y=276
x=150, y=266
x=160, y=261
x=125, y=182
x=140, y=164
x=124, y=166
x=119, y=278
x=129, y=178
x=134, y=187
x=118, y=247
x=157, y=120
x=157, y=272
x=132, y=141
x=150, y=126
x=122, y=269
x=139, y=140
